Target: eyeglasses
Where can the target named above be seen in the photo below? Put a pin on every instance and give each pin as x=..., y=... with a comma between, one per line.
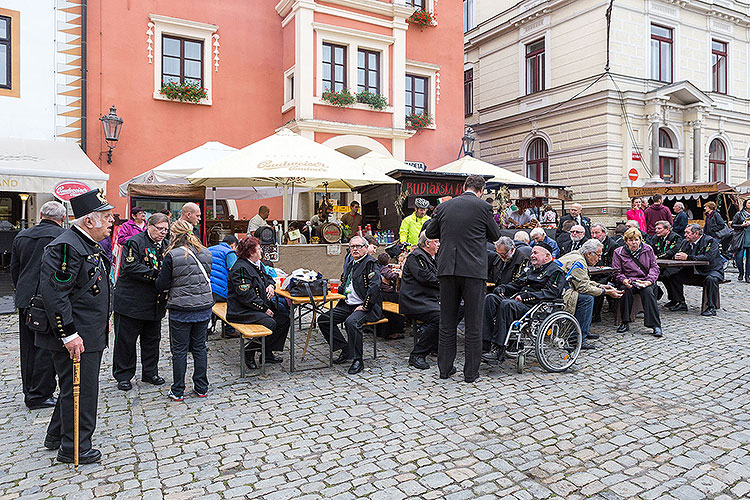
x=576, y=231
x=161, y=229
x=353, y=246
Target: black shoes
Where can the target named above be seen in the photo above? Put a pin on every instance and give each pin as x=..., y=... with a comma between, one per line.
x=495, y=356
x=451, y=372
x=710, y=311
x=587, y=346
x=343, y=358
x=47, y=403
x=273, y=359
x=250, y=360
x=124, y=385
x=418, y=362
x=658, y=332
x=154, y=379
x=681, y=306
x=624, y=327
x=89, y=456
x=671, y=303
x=357, y=366
x=592, y=336
x=471, y=380
x=51, y=442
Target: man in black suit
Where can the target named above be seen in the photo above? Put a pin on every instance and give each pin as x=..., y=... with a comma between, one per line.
x=577, y=217
x=666, y=244
x=509, y=261
x=576, y=240
x=74, y=283
x=464, y=225
x=37, y=372
x=698, y=246
x=599, y=232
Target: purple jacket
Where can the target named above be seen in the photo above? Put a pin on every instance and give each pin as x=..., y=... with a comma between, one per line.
x=654, y=213
x=128, y=229
x=628, y=269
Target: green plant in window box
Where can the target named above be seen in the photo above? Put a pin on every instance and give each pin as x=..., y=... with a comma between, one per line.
x=342, y=98
x=375, y=101
x=183, y=92
x=418, y=121
x=422, y=18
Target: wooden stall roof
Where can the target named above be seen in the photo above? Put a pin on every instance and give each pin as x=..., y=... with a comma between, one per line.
x=167, y=190
x=681, y=190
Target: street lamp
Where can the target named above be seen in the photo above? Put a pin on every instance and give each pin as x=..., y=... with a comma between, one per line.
x=24, y=197
x=112, y=124
x=467, y=143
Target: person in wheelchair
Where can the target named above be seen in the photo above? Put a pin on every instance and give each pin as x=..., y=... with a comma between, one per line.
x=579, y=297
x=543, y=281
x=251, y=300
x=637, y=272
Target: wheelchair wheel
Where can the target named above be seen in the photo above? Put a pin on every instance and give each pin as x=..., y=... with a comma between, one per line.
x=520, y=360
x=558, y=342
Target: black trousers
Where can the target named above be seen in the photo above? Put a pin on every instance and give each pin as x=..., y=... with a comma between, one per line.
x=37, y=370
x=472, y=291
x=499, y=314
x=395, y=321
x=61, y=424
x=127, y=331
x=344, y=313
x=687, y=276
x=427, y=335
x=599, y=299
x=278, y=324
x=665, y=277
x=650, y=308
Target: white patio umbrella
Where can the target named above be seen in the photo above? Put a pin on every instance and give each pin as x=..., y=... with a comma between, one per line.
x=472, y=166
x=285, y=160
x=379, y=162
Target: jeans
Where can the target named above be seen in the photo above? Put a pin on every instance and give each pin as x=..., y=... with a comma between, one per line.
x=584, y=311
x=743, y=254
x=188, y=337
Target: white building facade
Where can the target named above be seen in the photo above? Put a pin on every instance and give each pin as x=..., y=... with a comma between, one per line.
x=674, y=106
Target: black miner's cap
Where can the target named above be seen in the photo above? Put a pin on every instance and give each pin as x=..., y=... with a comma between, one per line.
x=91, y=201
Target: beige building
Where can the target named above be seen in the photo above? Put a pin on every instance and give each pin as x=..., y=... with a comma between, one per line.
x=674, y=106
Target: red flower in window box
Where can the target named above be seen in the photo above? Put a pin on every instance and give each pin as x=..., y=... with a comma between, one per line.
x=183, y=92
x=423, y=18
x=418, y=121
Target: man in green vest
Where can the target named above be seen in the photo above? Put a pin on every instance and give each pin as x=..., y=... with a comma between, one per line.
x=411, y=226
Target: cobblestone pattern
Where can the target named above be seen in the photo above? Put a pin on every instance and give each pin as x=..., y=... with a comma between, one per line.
x=638, y=417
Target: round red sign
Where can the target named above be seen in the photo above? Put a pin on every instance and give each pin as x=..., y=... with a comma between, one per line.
x=633, y=175
x=66, y=190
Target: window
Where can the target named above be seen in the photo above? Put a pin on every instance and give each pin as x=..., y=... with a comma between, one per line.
x=719, y=67
x=5, y=53
x=667, y=163
x=468, y=92
x=182, y=60
x=537, y=162
x=291, y=87
x=417, y=4
x=334, y=67
x=468, y=14
x=416, y=95
x=535, y=67
x=661, y=53
x=717, y=162
x=368, y=71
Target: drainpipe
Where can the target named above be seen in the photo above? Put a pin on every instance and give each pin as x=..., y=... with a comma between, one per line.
x=84, y=71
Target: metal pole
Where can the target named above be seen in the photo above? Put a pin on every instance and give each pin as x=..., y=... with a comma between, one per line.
x=213, y=191
x=283, y=209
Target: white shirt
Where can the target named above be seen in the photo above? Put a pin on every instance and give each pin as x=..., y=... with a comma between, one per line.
x=256, y=222
x=351, y=295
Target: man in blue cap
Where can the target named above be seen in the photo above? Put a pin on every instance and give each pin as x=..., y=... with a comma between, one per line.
x=74, y=283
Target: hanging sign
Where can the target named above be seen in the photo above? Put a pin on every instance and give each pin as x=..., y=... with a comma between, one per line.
x=66, y=190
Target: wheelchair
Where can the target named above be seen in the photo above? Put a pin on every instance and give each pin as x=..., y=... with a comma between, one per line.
x=551, y=333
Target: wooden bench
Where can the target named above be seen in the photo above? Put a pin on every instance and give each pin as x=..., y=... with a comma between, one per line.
x=392, y=307
x=374, y=325
x=246, y=332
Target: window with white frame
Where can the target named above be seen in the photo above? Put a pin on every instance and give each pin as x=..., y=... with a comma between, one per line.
x=183, y=52
x=334, y=67
x=468, y=14
x=667, y=157
x=662, y=67
x=417, y=92
x=537, y=160
x=535, y=66
x=719, y=66
x=717, y=161
x=368, y=71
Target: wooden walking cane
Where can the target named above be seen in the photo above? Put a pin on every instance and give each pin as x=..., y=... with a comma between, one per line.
x=76, y=406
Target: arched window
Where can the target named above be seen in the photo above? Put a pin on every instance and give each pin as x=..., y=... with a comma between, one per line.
x=667, y=159
x=537, y=163
x=717, y=162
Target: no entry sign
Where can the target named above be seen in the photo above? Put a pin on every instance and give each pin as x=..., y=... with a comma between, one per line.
x=633, y=175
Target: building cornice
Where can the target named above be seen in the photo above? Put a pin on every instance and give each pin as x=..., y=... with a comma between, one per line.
x=341, y=30
x=372, y=6
x=340, y=128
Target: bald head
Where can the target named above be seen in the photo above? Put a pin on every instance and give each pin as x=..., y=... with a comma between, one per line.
x=191, y=212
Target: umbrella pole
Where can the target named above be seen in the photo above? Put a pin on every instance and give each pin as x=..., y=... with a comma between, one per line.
x=213, y=191
x=283, y=209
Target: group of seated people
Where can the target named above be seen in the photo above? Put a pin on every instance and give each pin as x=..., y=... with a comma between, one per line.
x=526, y=270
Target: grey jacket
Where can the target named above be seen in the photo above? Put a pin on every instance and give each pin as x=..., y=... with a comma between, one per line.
x=189, y=290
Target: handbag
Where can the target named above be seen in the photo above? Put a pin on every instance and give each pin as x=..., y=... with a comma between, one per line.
x=304, y=283
x=657, y=289
x=36, y=316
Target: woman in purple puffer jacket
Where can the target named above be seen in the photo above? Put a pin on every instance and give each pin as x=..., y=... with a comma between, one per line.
x=136, y=224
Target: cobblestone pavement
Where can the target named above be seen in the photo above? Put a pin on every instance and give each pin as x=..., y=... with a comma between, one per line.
x=638, y=417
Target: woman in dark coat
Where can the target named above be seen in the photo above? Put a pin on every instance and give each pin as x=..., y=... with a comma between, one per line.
x=250, y=293
x=741, y=241
x=714, y=223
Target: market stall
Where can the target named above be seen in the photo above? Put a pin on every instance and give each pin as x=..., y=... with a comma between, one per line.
x=694, y=196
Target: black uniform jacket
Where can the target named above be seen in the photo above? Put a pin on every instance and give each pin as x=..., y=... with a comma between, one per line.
x=246, y=292
x=546, y=283
x=585, y=222
x=464, y=225
x=502, y=273
x=28, y=247
x=366, y=282
x=608, y=250
x=666, y=247
x=135, y=292
x=420, y=287
x=69, y=264
x=708, y=249
x=571, y=245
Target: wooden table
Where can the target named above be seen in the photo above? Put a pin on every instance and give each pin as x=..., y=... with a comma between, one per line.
x=601, y=270
x=681, y=263
x=318, y=303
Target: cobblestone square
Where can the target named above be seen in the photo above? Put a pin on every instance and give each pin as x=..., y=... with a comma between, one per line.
x=638, y=417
